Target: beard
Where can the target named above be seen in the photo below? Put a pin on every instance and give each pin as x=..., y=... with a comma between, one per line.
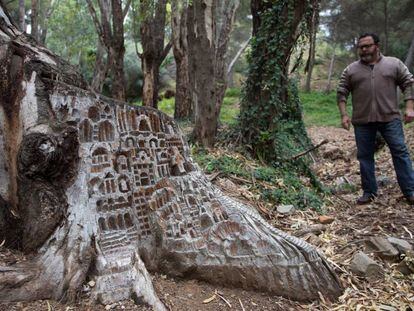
x=368, y=57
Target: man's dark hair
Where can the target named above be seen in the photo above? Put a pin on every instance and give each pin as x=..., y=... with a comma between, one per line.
x=369, y=34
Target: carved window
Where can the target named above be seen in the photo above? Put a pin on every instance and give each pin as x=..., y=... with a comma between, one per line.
x=121, y=223
x=106, y=131
x=128, y=221
x=85, y=131
x=93, y=114
x=144, y=179
x=102, y=224
x=112, y=223
x=144, y=126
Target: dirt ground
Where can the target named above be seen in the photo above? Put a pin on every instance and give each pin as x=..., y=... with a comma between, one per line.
x=351, y=226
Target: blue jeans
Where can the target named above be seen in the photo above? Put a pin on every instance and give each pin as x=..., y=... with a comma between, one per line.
x=393, y=134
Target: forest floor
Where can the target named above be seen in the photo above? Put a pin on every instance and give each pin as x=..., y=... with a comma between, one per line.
x=349, y=228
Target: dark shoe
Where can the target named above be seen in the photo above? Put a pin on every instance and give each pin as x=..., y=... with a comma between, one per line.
x=368, y=198
x=410, y=199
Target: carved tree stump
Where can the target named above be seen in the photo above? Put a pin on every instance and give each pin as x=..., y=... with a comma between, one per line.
x=108, y=191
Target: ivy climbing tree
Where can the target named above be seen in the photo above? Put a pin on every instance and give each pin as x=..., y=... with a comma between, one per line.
x=271, y=118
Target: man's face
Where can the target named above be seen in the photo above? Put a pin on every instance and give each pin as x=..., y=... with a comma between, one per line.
x=368, y=51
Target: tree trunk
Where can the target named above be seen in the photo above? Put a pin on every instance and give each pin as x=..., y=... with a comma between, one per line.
x=105, y=190
x=270, y=106
x=34, y=20
x=313, y=31
x=210, y=23
x=22, y=16
x=330, y=71
x=110, y=29
x=150, y=83
x=226, y=13
x=154, y=51
x=117, y=51
x=410, y=54
x=183, y=98
x=235, y=59
x=100, y=69
x=45, y=21
x=386, y=22
x=200, y=34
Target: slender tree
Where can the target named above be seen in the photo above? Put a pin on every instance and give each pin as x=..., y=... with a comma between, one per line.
x=183, y=96
x=22, y=15
x=313, y=26
x=209, y=26
x=152, y=30
x=410, y=54
x=34, y=19
x=110, y=29
x=40, y=15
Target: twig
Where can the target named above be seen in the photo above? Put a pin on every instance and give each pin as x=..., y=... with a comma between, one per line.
x=241, y=305
x=240, y=179
x=325, y=141
x=214, y=176
x=222, y=298
x=408, y=231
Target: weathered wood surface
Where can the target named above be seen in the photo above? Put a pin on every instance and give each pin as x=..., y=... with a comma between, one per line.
x=106, y=190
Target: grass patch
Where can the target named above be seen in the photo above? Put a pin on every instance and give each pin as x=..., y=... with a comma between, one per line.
x=167, y=105
x=320, y=109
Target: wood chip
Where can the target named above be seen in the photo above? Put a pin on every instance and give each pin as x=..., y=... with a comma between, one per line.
x=208, y=300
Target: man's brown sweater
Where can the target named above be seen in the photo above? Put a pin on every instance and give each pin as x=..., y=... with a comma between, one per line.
x=374, y=89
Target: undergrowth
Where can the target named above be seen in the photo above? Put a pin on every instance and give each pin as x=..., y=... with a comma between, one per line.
x=274, y=184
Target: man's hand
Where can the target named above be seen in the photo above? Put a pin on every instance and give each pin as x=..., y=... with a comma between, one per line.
x=409, y=116
x=346, y=121
x=409, y=111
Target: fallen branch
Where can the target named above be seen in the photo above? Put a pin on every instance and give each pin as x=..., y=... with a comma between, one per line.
x=325, y=141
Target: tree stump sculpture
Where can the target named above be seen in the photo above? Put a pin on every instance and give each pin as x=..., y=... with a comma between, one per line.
x=105, y=190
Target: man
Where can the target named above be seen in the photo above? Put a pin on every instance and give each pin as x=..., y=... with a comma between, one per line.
x=373, y=82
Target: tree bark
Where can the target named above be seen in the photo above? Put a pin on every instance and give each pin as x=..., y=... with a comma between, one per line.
x=386, y=22
x=270, y=103
x=330, y=70
x=226, y=13
x=110, y=29
x=117, y=51
x=109, y=190
x=235, y=59
x=410, y=54
x=45, y=21
x=202, y=54
x=154, y=50
x=34, y=15
x=22, y=16
x=312, y=42
x=100, y=70
x=183, y=98
x=210, y=23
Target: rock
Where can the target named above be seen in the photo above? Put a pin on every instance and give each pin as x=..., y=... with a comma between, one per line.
x=314, y=240
x=402, y=245
x=285, y=209
x=326, y=219
x=316, y=229
x=363, y=265
x=404, y=268
x=383, y=248
x=91, y=283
